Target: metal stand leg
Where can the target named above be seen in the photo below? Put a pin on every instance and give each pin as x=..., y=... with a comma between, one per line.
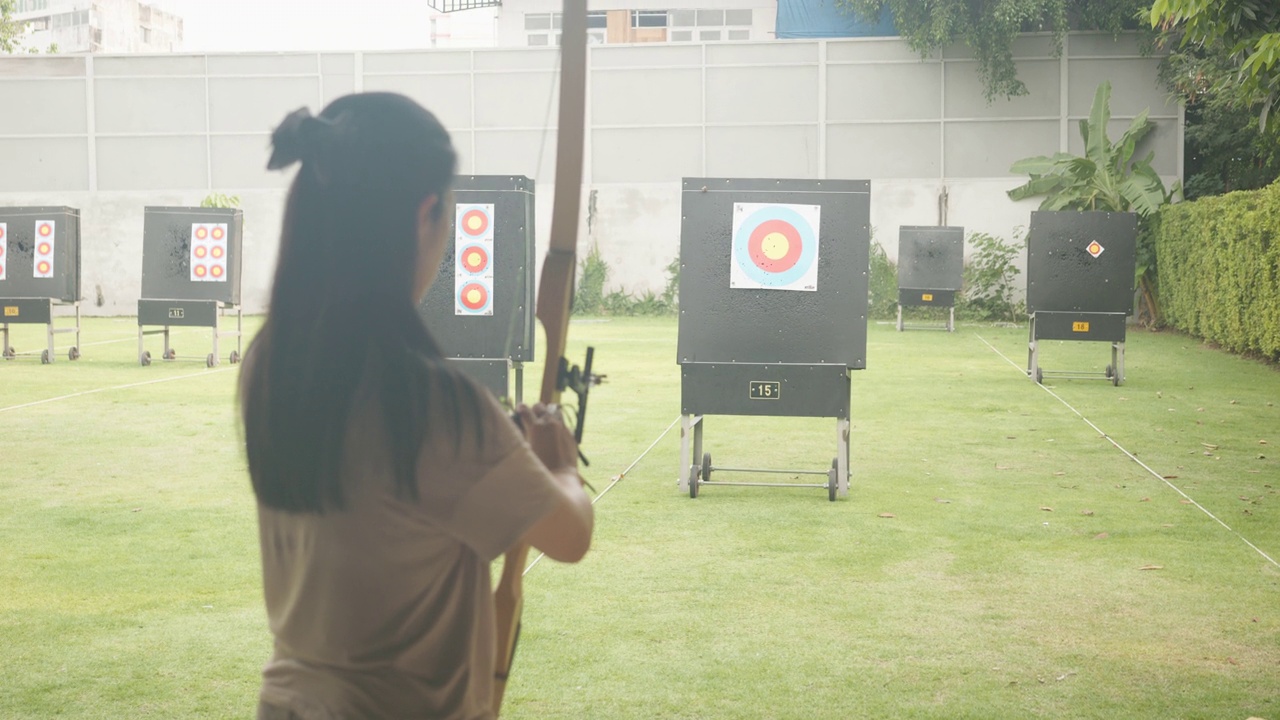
x=6, y=351
x=951, y=320
x=899, y=318
x=167, y=354
x=1117, y=361
x=141, y=346
x=519, y=383
x=213, y=357
x=1033, y=353
x=49, y=335
x=690, y=447
x=842, y=457
x=77, y=325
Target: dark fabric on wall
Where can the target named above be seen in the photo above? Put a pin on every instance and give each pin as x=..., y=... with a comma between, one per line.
x=823, y=18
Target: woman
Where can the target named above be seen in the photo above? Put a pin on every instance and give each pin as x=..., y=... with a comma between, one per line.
x=386, y=481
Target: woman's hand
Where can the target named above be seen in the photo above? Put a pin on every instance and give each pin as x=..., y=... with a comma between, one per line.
x=564, y=534
x=550, y=439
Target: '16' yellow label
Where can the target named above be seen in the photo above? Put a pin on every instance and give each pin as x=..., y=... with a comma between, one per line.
x=11, y=311
x=927, y=297
x=1079, y=327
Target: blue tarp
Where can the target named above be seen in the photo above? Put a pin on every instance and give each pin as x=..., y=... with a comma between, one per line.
x=824, y=18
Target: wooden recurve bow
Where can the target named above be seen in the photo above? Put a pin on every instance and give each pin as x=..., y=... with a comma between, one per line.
x=555, y=295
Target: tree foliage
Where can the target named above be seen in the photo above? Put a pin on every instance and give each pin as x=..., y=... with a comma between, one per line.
x=989, y=27
x=11, y=31
x=1235, y=50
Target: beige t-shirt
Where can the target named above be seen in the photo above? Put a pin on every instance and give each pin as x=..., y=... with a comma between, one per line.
x=384, y=609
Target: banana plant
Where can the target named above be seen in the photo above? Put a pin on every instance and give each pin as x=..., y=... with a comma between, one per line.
x=1105, y=178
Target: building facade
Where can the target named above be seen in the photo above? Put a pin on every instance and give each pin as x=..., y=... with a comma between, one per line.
x=98, y=26
x=535, y=23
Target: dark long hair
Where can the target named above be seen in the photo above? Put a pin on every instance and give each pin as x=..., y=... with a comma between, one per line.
x=342, y=312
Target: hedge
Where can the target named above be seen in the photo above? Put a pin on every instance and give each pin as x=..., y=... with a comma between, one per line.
x=1219, y=269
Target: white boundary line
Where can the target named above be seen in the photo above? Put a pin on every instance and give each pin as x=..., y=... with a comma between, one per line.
x=616, y=479
x=157, y=381
x=1133, y=457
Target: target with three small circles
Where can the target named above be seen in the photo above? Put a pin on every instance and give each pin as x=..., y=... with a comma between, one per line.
x=42, y=262
x=473, y=256
x=4, y=248
x=208, y=252
x=775, y=247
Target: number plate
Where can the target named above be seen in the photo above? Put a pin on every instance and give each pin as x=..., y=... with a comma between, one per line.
x=926, y=297
x=765, y=390
x=1079, y=327
x=177, y=313
x=11, y=311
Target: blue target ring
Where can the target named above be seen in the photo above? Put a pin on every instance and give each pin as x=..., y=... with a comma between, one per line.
x=807, y=237
x=470, y=307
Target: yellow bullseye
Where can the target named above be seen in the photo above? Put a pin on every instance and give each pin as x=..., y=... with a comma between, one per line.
x=775, y=246
x=474, y=259
x=474, y=296
x=474, y=222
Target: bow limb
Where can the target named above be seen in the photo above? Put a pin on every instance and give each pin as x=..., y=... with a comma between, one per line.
x=555, y=295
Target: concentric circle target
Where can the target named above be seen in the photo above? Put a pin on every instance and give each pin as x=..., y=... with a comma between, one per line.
x=43, y=248
x=200, y=271
x=473, y=259
x=216, y=271
x=200, y=251
x=217, y=252
x=775, y=246
x=474, y=222
x=1, y=232
x=202, y=233
x=43, y=267
x=474, y=297
x=44, y=230
x=218, y=232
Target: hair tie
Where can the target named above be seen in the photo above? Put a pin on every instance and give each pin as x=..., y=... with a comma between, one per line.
x=298, y=139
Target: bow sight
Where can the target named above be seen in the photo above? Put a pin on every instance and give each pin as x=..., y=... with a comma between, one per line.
x=580, y=381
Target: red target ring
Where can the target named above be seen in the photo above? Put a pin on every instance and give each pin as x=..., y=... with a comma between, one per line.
x=200, y=251
x=775, y=246
x=216, y=271
x=43, y=248
x=217, y=252
x=200, y=271
x=43, y=267
x=474, y=259
x=45, y=229
x=217, y=233
x=474, y=296
x=475, y=222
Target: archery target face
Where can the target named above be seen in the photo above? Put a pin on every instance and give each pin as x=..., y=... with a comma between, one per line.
x=775, y=247
x=473, y=260
x=4, y=248
x=208, y=252
x=42, y=261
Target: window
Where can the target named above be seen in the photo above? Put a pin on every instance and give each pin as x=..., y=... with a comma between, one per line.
x=31, y=5
x=597, y=20
x=682, y=18
x=737, y=17
x=538, y=40
x=537, y=21
x=739, y=34
x=38, y=24
x=708, y=35
x=708, y=18
x=681, y=36
x=146, y=35
x=648, y=18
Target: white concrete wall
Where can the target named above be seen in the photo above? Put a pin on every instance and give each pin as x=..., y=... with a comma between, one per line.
x=111, y=135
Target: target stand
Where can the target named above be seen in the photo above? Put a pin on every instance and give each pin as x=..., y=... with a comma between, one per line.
x=39, y=273
x=190, y=277
x=1080, y=277
x=766, y=265
x=480, y=308
x=930, y=271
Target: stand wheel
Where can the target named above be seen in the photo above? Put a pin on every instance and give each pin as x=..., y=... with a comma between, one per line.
x=44, y=357
x=1039, y=376
x=73, y=354
x=235, y=357
x=693, y=481
x=833, y=479
x=210, y=360
x=145, y=358
x=171, y=354
x=706, y=467
x=10, y=354
x=1115, y=380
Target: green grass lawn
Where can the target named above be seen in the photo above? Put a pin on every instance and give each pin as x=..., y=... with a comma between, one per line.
x=1009, y=581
